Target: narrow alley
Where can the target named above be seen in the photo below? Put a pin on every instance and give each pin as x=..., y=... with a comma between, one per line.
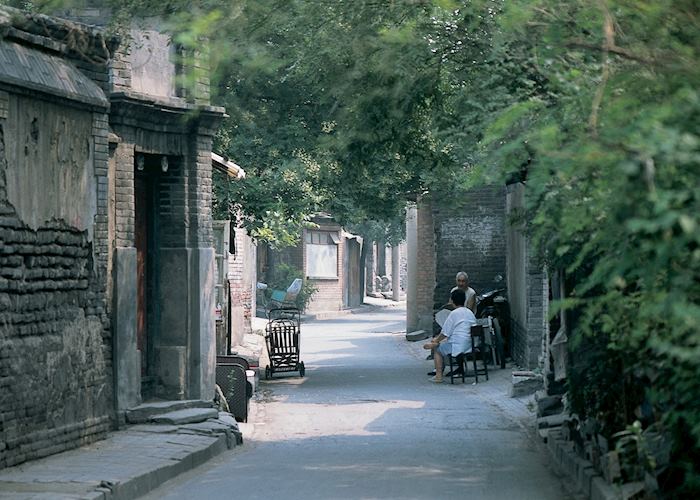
x=365, y=422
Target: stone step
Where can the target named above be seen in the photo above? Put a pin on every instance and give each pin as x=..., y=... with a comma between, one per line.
x=144, y=412
x=186, y=416
x=417, y=335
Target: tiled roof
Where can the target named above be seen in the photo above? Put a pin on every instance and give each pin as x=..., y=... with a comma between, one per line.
x=29, y=68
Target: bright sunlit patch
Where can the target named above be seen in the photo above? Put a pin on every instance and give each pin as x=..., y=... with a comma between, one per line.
x=366, y=418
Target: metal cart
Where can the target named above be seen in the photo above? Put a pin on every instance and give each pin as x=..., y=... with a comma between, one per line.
x=282, y=340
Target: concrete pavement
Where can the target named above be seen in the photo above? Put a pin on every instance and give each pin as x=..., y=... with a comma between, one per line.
x=132, y=461
x=126, y=465
x=366, y=423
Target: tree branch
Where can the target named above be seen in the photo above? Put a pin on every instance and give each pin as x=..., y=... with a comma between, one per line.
x=614, y=49
x=609, y=41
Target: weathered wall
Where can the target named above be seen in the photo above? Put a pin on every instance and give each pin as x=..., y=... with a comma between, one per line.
x=352, y=292
x=470, y=236
x=528, y=291
x=55, y=358
x=151, y=59
x=153, y=117
x=242, y=280
x=329, y=291
x=426, y=258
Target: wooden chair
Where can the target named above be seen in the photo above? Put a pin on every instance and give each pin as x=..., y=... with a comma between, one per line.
x=481, y=351
x=456, y=363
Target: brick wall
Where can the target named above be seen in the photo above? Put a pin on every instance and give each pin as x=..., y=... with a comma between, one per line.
x=470, y=236
x=241, y=279
x=528, y=290
x=200, y=189
x=329, y=291
x=55, y=340
x=425, y=275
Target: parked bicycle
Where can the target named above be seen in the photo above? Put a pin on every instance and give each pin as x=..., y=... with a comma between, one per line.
x=493, y=307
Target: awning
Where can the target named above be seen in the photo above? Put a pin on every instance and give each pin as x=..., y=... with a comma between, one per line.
x=227, y=166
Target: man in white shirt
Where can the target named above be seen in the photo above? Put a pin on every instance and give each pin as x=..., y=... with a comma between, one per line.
x=462, y=281
x=455, y=333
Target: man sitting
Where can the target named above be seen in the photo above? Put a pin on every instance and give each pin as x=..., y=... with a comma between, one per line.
x=462, y=281
x=455, y=333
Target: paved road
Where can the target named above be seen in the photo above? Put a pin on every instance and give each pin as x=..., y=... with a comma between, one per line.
x=366, y=423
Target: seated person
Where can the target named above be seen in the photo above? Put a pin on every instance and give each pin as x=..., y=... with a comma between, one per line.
x=455, y=334
x=462, y=281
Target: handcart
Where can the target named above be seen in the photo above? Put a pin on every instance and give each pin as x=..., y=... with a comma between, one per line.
x=282, y=340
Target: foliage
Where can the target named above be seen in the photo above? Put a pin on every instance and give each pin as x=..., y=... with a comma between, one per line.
x=609, y=143
x=355, y=107
x=321, y=114
x=282, y=276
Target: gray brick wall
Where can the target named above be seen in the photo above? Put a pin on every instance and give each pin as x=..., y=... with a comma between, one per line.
x=470, y=236
x=55, y=340
x=528, y=290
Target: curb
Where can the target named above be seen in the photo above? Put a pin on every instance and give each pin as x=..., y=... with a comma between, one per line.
x=141, y=485
x=128, y=464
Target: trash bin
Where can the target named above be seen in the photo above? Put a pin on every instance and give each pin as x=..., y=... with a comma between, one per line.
x=233, y=380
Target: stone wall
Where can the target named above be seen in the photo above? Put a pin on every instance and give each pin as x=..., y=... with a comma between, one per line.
x=55, y=341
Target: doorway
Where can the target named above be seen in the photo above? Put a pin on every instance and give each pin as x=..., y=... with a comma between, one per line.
x=146, y=177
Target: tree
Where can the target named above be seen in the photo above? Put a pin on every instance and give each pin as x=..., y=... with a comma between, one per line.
x=610, y=152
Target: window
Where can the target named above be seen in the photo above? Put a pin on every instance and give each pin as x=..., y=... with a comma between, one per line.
x=322, y=254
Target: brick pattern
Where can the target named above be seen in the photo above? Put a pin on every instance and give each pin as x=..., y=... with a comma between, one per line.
x=4, y=104
x=123, y=194
x=200, y=190
x=538, y=326
x=528, y=292
x=470, y=237
x=241, y=291
x=329, y=292
x=426, y=274
x=55, y=366
x=120, y=74
x=173, y=215
x=55, y=340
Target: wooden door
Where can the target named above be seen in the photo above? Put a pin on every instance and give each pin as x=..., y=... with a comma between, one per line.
x=141, y=199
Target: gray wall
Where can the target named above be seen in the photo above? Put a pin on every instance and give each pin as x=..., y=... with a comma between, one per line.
x=242, y=278
x=470, y=236
x=528, y=291
x=55, y=342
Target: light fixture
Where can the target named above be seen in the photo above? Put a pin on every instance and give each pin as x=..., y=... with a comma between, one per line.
x=164, y=163
x=140, y=162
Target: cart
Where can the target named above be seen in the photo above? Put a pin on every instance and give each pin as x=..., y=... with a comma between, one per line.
x=282, y=340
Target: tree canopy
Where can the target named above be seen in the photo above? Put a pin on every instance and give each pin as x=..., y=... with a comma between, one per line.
x=356, y=106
